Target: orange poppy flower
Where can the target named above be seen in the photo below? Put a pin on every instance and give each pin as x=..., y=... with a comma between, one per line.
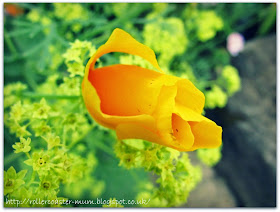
x=13, y=9
x=145, y=104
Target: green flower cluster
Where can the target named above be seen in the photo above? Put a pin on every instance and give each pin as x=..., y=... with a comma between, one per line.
x=226, y=85
x=205, y=23
x=173, y=40
x=22, y=146
x=35, y=16
x=76, y=55
x=215, y=97
x=210, y=157
x=12, y=93
x=120, y=9
x=13, y=180
x=135, y=60
x=48, y=130
x=230, y=79
x=208, y=24
x=69, y=11
x=177, y=177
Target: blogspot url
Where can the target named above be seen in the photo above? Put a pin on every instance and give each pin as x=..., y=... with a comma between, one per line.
x=97, y=201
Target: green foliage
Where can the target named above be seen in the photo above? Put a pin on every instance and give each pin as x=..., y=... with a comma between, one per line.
x=22, y=146
x=13, y=180
x=230, y=80
x=210, y=157
x=60, y=152
x=176, y=176
x=173, y=40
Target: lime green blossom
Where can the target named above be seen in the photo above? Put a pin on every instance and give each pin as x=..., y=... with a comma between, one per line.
x=11, y=91
x=52, y=140
x=73, y=166
x=73, y=121
x=215, y=97
x=22, y=146
x=149, y=158
x=135, y=60
x=76, y=55
x=50, y=85
x=76, y=27
x=208, y=23
x=76, y=69
x=17, y=112
x=70, y=86
x=72, y=55
x=33, y=15
x=10, y=100
x=41, y=128
x=40, y=161
x=41, y=110
x=20, y=131
x=46, y=21
x=13, y=180
x=209, y=157
x=119, y=9
x=69, y=35
x=177, y=177
x=48, y=185
x=173, y=40
x=189, y=174
x=70, y=11
x=128, y=160
x=160, y=7
x=56, y=57
x=230, y=79
x=14, y=88
x=98, y=189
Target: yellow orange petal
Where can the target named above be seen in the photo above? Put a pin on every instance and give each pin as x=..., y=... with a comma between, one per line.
x=189, y=96
x=183, y=133
x=137, y=131
x=92, y=102
x=121, y=41
x=207, y=134
x=126, y=90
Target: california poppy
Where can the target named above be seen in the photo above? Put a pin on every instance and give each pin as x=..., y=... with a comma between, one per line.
x=145, y=104
x=13, y=9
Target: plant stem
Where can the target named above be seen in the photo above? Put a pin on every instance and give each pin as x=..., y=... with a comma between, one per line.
x=105, y=148
x=28, y=155
x=10, y=43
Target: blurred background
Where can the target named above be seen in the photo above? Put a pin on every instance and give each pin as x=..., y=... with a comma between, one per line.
x=228, y=50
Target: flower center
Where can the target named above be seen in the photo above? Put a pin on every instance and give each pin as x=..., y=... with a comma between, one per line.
x=41, y=162
x=46, y=185
x=10, y=183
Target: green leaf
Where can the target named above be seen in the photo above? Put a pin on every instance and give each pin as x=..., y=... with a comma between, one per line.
x=29, y=162
x=11, y=172
x=21, y=174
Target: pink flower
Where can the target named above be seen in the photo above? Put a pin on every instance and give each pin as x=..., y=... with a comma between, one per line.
x=235, y=43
